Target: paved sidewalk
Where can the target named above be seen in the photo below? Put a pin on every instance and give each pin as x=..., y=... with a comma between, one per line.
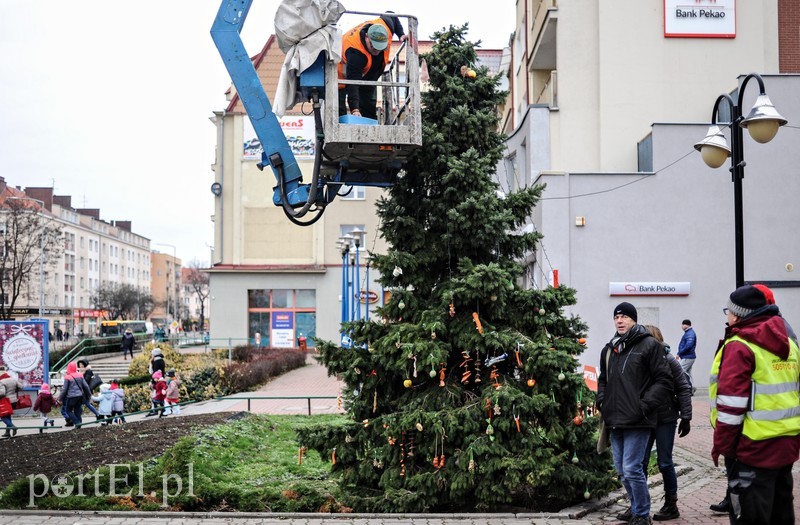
x=700, y=483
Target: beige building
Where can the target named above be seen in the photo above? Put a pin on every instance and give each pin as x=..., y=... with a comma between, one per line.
x=166, y=288
x=96, y=253
x=607, y=101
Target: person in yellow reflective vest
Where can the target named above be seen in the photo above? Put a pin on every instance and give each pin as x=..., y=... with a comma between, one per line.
x=755, y=409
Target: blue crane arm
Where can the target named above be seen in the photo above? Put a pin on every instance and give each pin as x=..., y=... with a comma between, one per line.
x=225, y=32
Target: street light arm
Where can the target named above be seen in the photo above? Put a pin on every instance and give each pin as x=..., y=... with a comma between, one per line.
x=762, y=89
x=731, y=105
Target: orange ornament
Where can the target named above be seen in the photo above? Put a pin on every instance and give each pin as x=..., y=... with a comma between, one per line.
x=578, y=420
x=531, y=382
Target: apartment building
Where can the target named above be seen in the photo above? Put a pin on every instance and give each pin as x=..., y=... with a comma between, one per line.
x=166, y=290
x=95, y=253
x=607, y=101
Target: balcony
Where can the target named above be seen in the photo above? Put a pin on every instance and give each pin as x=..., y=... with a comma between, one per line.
x=542, y=37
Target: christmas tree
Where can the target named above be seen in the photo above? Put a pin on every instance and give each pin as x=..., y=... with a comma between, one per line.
x=465, y=395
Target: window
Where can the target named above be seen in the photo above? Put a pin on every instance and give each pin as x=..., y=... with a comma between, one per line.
x=294, y=312
x=352, y=193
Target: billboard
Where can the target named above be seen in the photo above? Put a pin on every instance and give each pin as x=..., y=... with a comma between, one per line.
x=24, y=351
x=299, y=133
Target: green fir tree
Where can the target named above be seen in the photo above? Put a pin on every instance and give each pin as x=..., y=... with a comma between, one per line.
x=465, y=396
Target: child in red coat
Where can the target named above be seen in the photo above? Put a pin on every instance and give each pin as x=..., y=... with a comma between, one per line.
x=44, y=403
x=159, y=392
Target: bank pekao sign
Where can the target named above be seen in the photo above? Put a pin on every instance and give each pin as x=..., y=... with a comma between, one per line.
x=650, y=288
x=700, y=18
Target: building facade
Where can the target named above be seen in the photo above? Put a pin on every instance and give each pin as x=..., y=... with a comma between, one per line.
x=607, y=100
x=95, y=253
x=166, y=290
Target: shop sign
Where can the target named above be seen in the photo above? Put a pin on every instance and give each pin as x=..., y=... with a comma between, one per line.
x=700, y=18
x=649, y=288
x=371, y=296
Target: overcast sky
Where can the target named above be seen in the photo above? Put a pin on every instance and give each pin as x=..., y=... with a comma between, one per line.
x=109, y=101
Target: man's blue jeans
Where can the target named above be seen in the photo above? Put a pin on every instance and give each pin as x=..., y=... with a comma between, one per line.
x=629, y=446
x=664, y=438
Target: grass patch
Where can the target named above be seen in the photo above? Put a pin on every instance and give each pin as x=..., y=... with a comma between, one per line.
x=249, y=464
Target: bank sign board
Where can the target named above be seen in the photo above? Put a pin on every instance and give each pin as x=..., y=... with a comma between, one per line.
x=700, y=18
x=648, y=288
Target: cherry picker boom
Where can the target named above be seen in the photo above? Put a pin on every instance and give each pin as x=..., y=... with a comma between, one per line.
x=349, y=150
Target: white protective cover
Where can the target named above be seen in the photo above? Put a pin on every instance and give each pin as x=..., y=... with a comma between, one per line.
x=304, y=28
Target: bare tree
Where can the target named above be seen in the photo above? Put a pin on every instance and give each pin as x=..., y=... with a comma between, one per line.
x=122, y=301
x=32, y=244
x=197, y=279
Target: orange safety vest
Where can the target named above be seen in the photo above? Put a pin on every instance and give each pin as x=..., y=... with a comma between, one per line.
x=352, y=39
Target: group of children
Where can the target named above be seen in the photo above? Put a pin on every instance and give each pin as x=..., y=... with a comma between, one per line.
x=166, y=399
x=111, y=400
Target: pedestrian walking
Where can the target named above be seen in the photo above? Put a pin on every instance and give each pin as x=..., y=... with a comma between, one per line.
x=10, y=389
x=755, y=409
x=634, y=381
x=93, y=381
x=678, y=407
x=118, y=412
x=128, y=343
x=44, y=404
x=74, y=394
x=686, y=349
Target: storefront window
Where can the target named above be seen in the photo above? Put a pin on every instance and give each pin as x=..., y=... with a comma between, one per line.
x=295, y=311
x=258, y=298
x=307, y=326
x=282, y=298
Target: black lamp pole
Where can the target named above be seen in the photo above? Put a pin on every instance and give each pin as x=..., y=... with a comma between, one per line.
x=737, y=166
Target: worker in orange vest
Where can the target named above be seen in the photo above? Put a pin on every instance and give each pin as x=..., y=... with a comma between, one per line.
x=365, y=53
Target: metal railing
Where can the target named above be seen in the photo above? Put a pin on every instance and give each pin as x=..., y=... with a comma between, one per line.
x=109, y=344
x=273, y=398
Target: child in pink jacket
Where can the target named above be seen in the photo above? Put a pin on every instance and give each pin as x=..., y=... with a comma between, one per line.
x=172, y=394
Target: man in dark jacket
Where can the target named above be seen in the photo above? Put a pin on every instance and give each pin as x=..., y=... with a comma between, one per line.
x=365, y=54
x=755, y=409
x=686, y=349
x=634, y=382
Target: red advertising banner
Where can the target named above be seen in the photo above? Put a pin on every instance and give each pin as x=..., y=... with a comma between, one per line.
x=24, y=350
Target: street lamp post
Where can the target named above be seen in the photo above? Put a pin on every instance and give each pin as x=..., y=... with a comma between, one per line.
x=174, y=282
x=762, y=122
x=345, y=249
x=358, y=235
